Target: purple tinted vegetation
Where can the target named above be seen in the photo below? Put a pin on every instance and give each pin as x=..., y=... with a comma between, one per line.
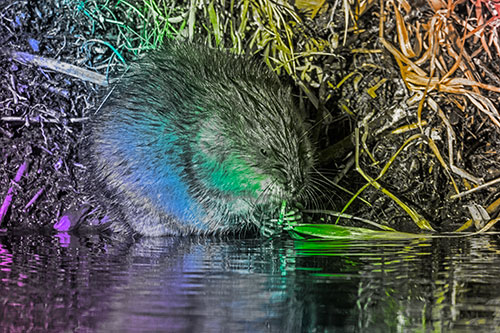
x=37, y=194
x=35, y=44
x=63, y=224
x=10, y=192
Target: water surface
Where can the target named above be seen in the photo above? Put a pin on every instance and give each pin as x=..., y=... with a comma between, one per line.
x=48, y=283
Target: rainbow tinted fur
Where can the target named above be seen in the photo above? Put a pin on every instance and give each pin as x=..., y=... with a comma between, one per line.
x=194, y=141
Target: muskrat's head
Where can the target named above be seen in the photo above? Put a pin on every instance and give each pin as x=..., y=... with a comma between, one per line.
x=253, y=148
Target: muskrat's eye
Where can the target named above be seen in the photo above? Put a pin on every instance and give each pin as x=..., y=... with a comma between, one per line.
x=263, y=152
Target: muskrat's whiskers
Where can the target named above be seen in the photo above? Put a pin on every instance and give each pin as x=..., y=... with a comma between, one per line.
x=316, y=188
x=309, y=196
x=309, y=130
x=316, y=203
x=320, y=182
x=324, y=172
x=330, y=182
x=323, y=190
x=320, y=186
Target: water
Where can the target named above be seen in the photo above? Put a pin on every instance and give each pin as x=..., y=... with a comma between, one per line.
x=219, y=285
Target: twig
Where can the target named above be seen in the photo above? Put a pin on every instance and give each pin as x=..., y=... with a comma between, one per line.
x=37, y=194
x=58, y=66
x=10, y=194
x=480, y=187
x=38, y=120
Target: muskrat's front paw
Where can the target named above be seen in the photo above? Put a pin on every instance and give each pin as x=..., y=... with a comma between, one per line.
x=273, y=227
x=291, y=218
x=270, y=228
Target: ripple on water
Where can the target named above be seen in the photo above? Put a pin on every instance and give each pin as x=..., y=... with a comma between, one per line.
x=211, y=285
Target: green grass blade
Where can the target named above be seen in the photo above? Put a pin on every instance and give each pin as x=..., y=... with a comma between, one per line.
x=332, y=231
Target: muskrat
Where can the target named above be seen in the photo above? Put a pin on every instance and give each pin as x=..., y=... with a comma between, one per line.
x=194, y=140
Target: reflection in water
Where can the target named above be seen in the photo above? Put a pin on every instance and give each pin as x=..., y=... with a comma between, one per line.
x=211, y=285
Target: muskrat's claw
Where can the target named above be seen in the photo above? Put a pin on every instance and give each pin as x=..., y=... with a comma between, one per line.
x=270, y=228
x=291, y=218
